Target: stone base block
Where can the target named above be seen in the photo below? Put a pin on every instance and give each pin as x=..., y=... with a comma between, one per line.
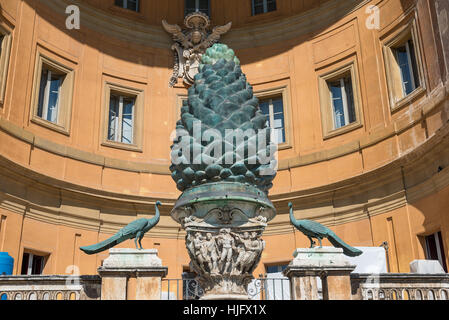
x=131, y=274
x=426, y=266
x=320, y=257
x=329, y=264
x=132, y=258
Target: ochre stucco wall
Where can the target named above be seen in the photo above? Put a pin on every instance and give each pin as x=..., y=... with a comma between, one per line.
x=376, y=183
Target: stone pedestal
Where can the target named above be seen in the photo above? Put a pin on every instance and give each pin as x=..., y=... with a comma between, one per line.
x=224, y=223
x=132, y=274
x=329, y=264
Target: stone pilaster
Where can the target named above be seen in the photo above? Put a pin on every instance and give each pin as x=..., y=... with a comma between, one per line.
x=132, y=274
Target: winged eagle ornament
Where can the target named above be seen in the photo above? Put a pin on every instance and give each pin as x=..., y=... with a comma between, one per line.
x=190, y=44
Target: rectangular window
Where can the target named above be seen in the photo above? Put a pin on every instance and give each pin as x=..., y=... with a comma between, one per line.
x=263, y=6
x=32, y=264
x=342, y=99
x=121, y=118
x=197, y=6
x=403, y=65
x=132, y=5
x=276, y=269
x=50, y=94
x=273, y=107
x=406, y=61
x=123, y=113
x=435, y=249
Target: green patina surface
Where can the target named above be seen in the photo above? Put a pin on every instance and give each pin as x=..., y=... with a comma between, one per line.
x=222, y=99
x=217, y=52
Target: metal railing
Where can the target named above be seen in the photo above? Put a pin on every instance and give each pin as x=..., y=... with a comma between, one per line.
x=258, y=289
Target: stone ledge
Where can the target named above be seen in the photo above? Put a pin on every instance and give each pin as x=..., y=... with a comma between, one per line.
x=133, y=272
x=132, y=259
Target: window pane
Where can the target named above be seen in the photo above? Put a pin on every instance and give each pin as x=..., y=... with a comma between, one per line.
x=280, y=135
x=337, y=103
x=278, y=121
x=432, y=253
x=113, y=117
x=38, y=262
x=265, y=109
x=350, y=97
x=204, y=6
x=53, y=98
x=119, y=3
x=42, y=86
x=278, y=124
x=414, y=65
x=127, y=123
x=271, y=5
x=442, y=252
x=278, y=105
x=25, y=258
x=275, y=269
x=402, y=60
x=257, y=7
x=197, y=5
x=133, y=5
x=128, y=4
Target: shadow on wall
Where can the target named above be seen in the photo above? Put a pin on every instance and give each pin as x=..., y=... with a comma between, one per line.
x=109, y=45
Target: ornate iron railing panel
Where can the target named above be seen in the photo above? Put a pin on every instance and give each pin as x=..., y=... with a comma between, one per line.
x=43, y=287
x=400, y=286
x=258, y=289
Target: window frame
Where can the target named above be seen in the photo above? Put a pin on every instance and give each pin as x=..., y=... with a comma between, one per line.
x=271, y=114
x=5, y=55
x=441, y=256
x=326, y=105
x=285, y=92
x=118, y=130
x=31, y=254
x=66, y=94
x=400, y=36
x=138, y=115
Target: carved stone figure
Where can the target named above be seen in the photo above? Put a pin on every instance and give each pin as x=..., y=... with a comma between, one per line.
x=226, y=241
x=199, y=252
x=191, y=44
x=212, y=254
x=225, y=258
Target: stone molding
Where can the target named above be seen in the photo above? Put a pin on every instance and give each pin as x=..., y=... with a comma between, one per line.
x=435, y=99
x=133, y=272
x=318, y=203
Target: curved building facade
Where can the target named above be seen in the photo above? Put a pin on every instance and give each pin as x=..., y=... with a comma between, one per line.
x=357, y=90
